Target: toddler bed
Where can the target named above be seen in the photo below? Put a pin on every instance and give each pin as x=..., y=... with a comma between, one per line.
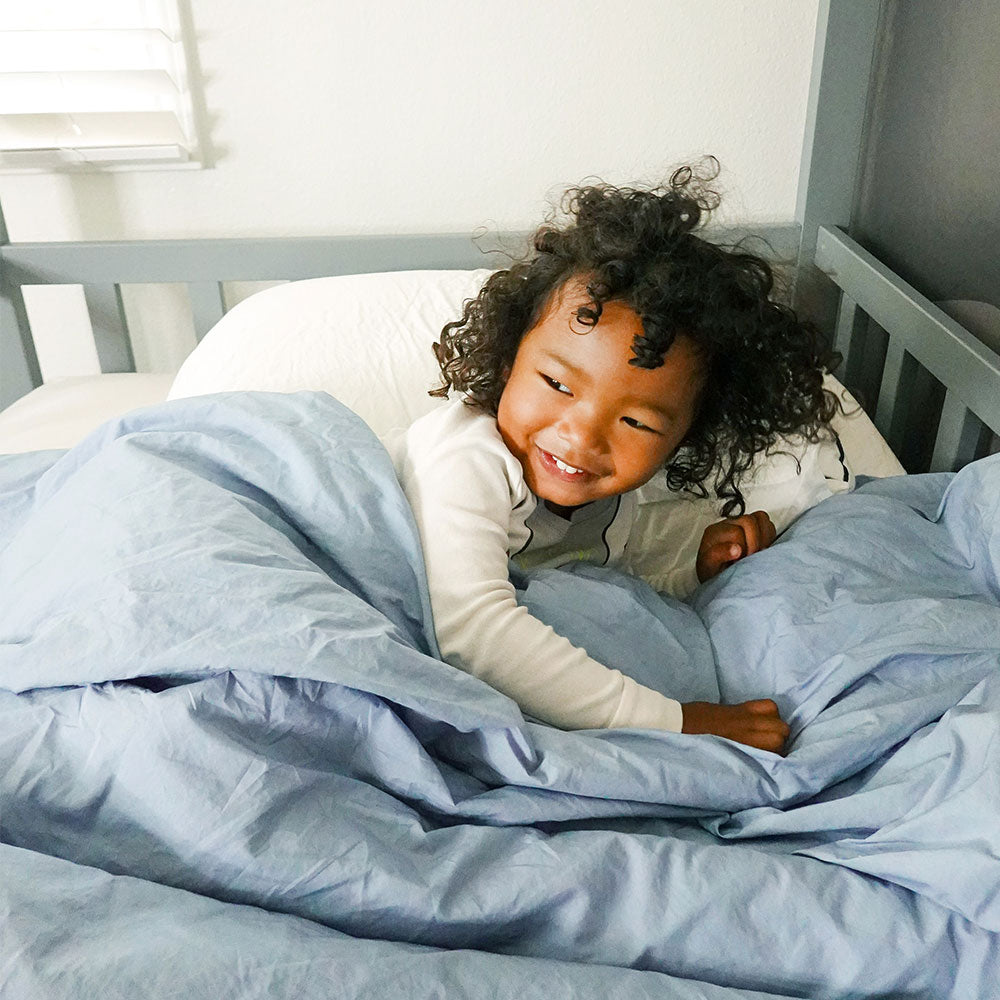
x=234, y=766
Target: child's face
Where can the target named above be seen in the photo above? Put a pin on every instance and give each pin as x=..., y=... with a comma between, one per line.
x=582, y=421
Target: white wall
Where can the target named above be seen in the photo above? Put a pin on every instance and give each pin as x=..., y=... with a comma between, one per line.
x=333, y=117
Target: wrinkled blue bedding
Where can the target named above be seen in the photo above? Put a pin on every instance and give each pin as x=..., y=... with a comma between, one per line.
x=232, y=764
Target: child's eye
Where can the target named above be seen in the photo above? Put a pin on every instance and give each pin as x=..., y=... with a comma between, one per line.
x=639, y=425
x=554, y=384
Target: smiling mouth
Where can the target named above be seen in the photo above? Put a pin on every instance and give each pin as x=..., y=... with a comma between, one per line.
x=563, y=468
x=567, y=468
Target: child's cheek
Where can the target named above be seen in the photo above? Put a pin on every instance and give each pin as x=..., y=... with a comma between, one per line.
x=521, y=411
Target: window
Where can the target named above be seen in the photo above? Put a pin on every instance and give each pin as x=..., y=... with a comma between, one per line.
x=94, y=86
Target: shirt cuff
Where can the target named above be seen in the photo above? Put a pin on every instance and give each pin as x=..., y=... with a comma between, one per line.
x=643, y=708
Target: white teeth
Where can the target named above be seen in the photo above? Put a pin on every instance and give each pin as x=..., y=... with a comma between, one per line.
x=560, y=464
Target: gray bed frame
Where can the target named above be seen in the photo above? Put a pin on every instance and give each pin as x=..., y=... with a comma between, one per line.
x=916, y=371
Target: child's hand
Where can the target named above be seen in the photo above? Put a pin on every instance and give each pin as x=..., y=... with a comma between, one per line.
x=755, y=723
x=726, y=542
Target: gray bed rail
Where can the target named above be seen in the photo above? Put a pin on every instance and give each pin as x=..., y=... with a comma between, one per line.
x=931, y=387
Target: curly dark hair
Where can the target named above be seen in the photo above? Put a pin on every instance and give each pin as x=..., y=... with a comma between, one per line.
x=764, y=365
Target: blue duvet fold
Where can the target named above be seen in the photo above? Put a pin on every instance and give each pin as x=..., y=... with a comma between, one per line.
x=221, y=701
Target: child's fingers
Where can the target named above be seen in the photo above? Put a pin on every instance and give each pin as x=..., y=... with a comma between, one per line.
x=758, y=531
x=751, y=532
x=723, y=544
x=726, y=542
x=729, y=540
x=761, y=706
x=725, y=552
x=768, y=532
x=770, y=731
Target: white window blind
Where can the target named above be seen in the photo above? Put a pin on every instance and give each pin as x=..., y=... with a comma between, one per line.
x=93, y=85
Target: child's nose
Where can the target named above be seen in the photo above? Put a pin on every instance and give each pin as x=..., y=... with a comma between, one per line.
x=582, y=432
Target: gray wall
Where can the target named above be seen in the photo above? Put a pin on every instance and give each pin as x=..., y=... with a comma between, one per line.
x=929, y=198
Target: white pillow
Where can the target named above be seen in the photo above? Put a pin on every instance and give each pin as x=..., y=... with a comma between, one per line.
x=61, y=413
x=364, y=338
x=867, y=452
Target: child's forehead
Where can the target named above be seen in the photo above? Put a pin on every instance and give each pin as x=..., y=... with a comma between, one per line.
x=607, y=347
x=562, y=310
x=571, y=292
x=569, y=297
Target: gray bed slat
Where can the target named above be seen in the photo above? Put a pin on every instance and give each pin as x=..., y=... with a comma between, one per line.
x=19, y=368
x=957, y=436
x=208, y=305
x=107, y=318
x=966, y=366
x=852, y=324
x=894, y=394
x=866, y=371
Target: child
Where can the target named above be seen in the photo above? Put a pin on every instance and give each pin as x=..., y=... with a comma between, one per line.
x=624, y=346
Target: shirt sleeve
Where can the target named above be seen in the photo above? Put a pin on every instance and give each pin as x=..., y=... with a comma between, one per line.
x=461, y=495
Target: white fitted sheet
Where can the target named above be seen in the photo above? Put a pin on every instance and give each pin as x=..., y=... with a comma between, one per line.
x=61, y=413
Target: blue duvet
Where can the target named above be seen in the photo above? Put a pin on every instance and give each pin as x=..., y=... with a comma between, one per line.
x=232, y=765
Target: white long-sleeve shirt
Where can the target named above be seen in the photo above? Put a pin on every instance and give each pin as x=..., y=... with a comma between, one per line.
x=474, y=513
